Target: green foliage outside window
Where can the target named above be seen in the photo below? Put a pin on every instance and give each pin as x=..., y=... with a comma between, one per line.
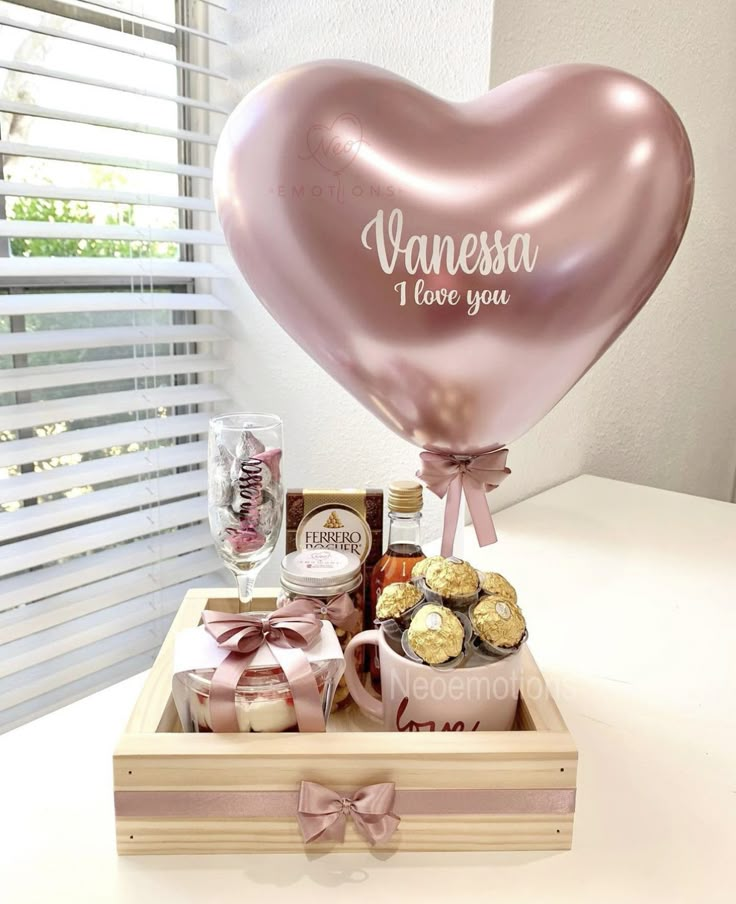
x=46, y=210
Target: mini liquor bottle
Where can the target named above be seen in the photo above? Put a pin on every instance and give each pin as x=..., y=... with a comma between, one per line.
x=404, y=547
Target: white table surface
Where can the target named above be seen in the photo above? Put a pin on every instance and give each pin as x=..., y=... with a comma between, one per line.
x=630, y=596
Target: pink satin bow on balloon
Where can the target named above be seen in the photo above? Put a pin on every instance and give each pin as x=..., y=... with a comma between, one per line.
x=340, y=610
x=287, y=631
x=450, y=476
x=322, y=812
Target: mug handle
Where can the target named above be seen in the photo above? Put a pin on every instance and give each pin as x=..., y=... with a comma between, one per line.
x=370, y=705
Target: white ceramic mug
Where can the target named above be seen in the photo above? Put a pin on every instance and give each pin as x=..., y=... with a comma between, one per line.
x=416, y=697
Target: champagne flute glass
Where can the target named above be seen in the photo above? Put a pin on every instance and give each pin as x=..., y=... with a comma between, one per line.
x=245, y=493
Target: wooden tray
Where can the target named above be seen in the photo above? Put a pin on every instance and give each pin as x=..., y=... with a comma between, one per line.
x=155, y=762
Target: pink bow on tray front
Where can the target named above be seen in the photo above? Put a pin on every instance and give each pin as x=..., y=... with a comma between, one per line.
x=322, y=813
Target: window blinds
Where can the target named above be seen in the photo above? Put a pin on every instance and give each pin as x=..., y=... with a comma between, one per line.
x=108, y=361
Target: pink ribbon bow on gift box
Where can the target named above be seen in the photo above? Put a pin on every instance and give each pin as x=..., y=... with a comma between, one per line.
x=322, y=813
x=340, y=610
x=286, y=632
x=452, y=475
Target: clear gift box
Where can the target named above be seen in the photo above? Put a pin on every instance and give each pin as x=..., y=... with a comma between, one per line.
x=263, y=698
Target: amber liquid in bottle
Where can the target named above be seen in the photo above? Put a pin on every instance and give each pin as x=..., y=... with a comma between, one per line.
x=395, y=565
x=403, y=552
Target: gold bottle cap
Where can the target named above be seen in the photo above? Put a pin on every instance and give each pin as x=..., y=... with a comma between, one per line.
x=405, y=496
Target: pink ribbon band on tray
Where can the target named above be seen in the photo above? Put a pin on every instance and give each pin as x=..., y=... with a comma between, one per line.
x=449, y=476
x=286, y=632
x=375, y=809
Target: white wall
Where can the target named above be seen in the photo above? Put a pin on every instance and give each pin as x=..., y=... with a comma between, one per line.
x=660, y=408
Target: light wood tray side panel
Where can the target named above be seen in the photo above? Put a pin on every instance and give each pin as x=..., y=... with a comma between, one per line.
x=415, y=833
x=442, y=760
x=154, y=703
x=538, y=710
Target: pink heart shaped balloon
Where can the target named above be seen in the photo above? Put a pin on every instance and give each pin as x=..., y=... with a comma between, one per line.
x=457, y=267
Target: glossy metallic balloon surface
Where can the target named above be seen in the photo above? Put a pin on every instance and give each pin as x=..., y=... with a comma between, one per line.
x=581, y=177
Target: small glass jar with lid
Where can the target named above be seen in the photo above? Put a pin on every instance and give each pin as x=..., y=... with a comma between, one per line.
x=332, y=581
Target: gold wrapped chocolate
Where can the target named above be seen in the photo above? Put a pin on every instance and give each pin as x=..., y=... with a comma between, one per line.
x=436, y=634
x=497, y=621
x=420, y=569
x=496, y=585
x=452, y=578
x=395, y=599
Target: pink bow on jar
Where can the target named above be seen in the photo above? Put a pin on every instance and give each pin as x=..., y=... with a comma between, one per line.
x=339, y=611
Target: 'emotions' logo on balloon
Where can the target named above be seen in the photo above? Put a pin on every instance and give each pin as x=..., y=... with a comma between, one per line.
x=335, y=147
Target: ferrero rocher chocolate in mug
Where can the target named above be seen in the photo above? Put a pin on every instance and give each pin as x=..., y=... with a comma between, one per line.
x=417, y=697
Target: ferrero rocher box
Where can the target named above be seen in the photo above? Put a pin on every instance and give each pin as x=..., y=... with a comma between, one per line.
x=350, y=520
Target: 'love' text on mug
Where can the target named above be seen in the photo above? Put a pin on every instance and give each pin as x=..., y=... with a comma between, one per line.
x=429, y=725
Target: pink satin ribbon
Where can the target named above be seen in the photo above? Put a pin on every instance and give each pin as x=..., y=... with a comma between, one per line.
x=322, y=813
x=340, y=610
x=231, y=804
x=449, y=476
x=286, y=632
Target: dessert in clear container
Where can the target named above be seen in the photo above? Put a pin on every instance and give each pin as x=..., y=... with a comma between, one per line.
x=263, y=699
